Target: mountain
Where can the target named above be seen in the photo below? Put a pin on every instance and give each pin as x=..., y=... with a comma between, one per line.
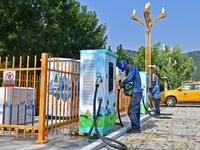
x=196, y=57
x=131, y=52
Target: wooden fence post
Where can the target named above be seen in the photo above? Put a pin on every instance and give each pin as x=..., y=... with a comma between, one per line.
x=42, y=106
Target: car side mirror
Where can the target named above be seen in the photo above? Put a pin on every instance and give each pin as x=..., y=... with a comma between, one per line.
x=179, y=90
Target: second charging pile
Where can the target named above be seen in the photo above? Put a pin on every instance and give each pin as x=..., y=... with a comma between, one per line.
x=98, y=83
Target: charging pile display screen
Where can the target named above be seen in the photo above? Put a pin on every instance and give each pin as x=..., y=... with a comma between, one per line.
x=110, y=85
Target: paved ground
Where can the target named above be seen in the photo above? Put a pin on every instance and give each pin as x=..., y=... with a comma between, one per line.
x=63, y=141
x=180, y=132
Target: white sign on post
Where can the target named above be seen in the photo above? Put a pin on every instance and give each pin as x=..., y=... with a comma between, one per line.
x=9, y=78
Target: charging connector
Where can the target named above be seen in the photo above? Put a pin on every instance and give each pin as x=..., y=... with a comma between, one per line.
x=99, y=79
x=107, y=140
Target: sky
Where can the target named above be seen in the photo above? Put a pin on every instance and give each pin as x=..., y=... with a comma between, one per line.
x=181, y=26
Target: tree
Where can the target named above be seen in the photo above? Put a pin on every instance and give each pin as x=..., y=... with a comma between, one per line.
x=20, y=25
x=139, y=59
x=176, y=73
x=85, y=33
x=60, y=27
x=69, y=28
x=109, y=48
x=166, y=70
x=155, y=52
x=184, y=66
x=122, y=55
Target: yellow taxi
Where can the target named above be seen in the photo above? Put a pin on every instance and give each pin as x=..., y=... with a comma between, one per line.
x=189, y=92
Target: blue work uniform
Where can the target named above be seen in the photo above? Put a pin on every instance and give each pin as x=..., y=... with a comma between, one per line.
x=134, y=105
x=156, y=96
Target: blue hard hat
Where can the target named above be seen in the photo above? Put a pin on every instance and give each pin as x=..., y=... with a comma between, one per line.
x=122, y=65
x=153, y=81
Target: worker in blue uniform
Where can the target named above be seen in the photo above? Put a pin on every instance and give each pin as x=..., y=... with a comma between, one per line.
x=134, y=105
x=156, y=95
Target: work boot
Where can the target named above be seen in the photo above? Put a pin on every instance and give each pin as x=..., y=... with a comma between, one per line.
x=157, y=114
x=133, y=131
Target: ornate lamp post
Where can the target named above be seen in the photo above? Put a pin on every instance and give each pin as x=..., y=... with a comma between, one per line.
x=174, y=63
x=171, y=51
x=163, y=50
x=149, y=24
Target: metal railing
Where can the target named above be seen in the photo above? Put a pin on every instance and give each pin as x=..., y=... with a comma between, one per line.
x=59, y=97
x=19, y=101
x=52, y=89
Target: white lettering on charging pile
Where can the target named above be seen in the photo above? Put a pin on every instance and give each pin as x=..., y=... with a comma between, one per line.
x=88, y=52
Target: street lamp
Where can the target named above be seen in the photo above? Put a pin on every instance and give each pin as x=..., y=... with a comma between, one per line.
x=174, y=63
x=171, y=51
x=163, y=50
x=149, y=24
x=169, y=63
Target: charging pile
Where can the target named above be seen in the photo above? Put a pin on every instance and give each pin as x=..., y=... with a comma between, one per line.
x=98, y=83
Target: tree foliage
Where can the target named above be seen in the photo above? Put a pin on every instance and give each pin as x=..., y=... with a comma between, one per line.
x=122, y=55
x=196, y=56
x=139, y=60
x=60, y=27
x=20, y=27
x=164, y=61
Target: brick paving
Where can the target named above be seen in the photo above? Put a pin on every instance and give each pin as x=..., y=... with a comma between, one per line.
x=180, y=132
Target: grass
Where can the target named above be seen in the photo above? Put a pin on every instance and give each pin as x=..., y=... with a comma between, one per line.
x=193, y=137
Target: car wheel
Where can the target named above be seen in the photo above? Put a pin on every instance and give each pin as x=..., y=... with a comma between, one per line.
x=170, y=101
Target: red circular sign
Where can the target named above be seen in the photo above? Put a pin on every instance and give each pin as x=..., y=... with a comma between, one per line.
x=9, y=76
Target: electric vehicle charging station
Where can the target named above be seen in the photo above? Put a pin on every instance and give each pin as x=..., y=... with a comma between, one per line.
x=97, y=63
x=145, y=84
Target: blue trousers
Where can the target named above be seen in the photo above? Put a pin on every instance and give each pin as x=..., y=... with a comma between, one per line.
x=134, y=110
x=157, y=105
